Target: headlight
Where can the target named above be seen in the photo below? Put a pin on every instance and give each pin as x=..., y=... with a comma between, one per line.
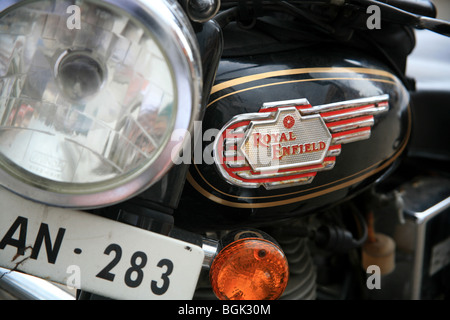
x=88, y=106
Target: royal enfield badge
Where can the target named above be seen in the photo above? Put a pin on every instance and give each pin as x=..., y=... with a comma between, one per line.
x=287, y=142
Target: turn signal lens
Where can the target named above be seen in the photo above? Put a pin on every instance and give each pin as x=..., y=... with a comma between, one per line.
x=249, y=269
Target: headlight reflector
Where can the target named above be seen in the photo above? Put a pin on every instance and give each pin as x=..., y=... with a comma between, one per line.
x=86, y=114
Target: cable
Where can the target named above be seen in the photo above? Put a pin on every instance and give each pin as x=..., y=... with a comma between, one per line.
x=396, y=15
x=363, y=225
x=327, y=28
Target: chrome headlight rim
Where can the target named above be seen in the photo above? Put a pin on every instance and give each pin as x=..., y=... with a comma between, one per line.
x=167, y=23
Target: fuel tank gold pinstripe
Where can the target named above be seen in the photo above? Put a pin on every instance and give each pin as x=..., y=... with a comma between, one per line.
x=375, y=75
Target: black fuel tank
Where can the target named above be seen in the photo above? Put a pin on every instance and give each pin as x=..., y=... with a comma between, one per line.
x=359, y=125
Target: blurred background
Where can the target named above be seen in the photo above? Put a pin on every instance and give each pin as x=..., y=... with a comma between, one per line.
x=443, y=7
x=429, y=63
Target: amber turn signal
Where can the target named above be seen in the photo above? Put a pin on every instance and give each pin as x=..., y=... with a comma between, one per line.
x=249, y=269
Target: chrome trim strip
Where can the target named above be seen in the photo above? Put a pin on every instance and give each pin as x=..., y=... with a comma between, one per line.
x=351, y=137
x=345, y=104
x=356, y=113
x=327, y=165
x=351, y=125
x=229, y=153
x=236, y=164
x=22, y=286
x=210, y=248
x=290, y=183
x=422, y=219
x=285, y=103
x=334, y=152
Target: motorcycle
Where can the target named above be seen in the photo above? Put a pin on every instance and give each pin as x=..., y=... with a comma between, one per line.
x=234, y=150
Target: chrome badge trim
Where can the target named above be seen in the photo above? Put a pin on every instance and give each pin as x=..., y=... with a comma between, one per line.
x=287, y=142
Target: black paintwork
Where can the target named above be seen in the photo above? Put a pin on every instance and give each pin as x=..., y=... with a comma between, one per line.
x=358, y=166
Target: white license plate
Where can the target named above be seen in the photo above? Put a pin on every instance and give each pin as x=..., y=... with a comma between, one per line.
x=95, y=254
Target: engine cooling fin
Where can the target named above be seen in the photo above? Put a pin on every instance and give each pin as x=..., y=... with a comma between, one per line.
x=302, y=272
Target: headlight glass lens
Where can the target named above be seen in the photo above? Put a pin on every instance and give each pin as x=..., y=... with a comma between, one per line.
x=83, y=109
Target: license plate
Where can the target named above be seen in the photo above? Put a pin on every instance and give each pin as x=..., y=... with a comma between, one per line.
x=95, y=254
